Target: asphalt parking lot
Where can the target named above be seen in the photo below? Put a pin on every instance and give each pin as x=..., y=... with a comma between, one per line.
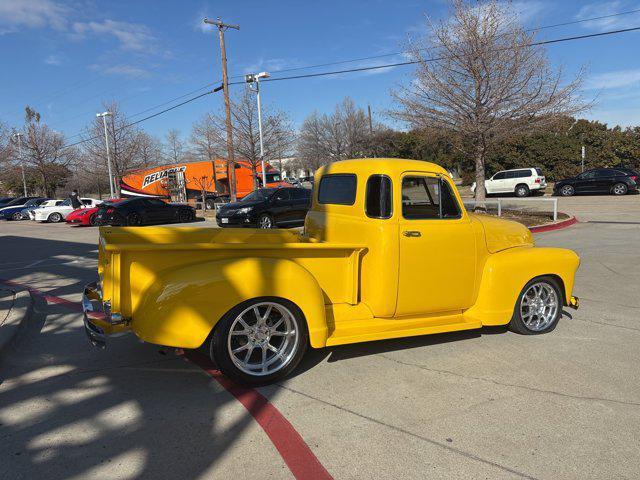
x=479, y=404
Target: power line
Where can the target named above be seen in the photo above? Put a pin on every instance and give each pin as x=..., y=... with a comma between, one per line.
x=435, y=59
x=360, y=69
x=342, y=62
x=131, y=124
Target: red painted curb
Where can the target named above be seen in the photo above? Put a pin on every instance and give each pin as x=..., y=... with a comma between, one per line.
x=554, y=226
x=49, y=298
x=292, y=448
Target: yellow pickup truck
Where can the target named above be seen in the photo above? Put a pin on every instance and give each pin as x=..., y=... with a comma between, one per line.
x=387, y=251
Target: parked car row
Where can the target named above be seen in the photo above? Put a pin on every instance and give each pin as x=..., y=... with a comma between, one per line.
x=117, y=212
x=523, y=182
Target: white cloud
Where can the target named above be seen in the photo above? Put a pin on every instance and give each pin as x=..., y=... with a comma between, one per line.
x=529, y=10
x=602, y=9
x=17, y=14
x=132, y=36
x=53, y=60
x=612, y=80
x=271, y=65
x=125, y=70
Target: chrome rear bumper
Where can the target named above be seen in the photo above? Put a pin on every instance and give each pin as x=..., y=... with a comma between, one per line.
x=99, y=323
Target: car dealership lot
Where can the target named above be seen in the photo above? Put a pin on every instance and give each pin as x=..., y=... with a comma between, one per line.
x=487, y=404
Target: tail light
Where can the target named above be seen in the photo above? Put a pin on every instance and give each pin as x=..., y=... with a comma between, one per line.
x=538, y=180
x=110, y=210
x=634, y=178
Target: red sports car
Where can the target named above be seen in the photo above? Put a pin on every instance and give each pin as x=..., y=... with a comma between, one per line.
x=87, y=216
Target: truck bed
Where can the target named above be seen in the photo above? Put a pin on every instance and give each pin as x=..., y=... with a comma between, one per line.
x=133, y=258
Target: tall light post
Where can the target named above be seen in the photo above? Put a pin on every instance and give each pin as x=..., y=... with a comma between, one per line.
x=255, y=78
x=18, y=136
x=104, y=116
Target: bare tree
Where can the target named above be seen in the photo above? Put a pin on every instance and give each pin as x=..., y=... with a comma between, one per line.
x=44, y=153
x=209, y=135
x=343, y=134
x=127, y=145
x=173, y=148
x=204, y=183
x=208, y=141
x=480, y=76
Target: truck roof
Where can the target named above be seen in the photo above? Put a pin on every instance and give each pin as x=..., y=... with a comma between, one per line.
x=388, y=166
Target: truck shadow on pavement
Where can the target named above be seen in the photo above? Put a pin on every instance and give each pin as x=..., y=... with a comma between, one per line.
x=69, y=410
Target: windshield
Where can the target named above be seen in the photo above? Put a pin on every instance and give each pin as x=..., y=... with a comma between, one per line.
x=258, y=195
x=274, y=177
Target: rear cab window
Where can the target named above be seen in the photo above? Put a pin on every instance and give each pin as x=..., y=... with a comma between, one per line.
x=379, y=197
x=337, y=189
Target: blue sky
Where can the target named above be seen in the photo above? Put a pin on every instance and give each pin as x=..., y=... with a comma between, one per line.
x=65, y=57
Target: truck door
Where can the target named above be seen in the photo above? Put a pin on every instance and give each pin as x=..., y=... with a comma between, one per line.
x=437, y=248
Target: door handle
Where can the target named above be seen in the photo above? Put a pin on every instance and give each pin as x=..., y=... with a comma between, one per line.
x=412, y=233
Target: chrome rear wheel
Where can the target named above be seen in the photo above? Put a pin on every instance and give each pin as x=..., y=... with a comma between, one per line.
x=263, y=338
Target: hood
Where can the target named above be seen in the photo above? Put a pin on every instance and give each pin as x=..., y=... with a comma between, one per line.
x=502, y=234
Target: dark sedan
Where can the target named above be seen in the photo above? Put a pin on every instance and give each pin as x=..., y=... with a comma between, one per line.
x=143, y=211
x=598, y=180
x=267, y=208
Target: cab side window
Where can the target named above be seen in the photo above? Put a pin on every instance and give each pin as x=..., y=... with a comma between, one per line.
x=428, y=198
x=500, y=176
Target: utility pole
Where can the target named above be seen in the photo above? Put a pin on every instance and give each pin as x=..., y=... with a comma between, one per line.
x=104, y=116
x=255, y=78
x=231, y=163
x=18, y=136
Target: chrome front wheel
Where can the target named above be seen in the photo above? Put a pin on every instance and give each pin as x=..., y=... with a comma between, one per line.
x=538, y=308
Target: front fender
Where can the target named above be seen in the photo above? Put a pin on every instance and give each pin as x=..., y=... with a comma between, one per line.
x=182, y=306
x=506, y=273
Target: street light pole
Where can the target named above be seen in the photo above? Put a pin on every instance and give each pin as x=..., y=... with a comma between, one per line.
x=24, y=179
x=255, y=78
x=104, y=116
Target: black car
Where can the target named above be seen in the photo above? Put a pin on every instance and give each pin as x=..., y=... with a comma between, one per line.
x=598, y=180
x=267, y=208
x=143, y=211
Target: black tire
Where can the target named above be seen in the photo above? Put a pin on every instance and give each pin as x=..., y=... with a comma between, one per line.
x=16, y=216
x=518, y=325
x=619, y=189
x=219, y=349
x=133, y=220
x=92, y=220
x=55, y=217
x=266, y=221
x=185, y=216
x=522, y=190
x=567, y=191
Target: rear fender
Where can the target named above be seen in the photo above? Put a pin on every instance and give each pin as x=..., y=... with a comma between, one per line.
x=507, y=272
x=182, y=306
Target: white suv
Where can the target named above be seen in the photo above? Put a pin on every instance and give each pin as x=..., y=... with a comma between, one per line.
x=521, y=182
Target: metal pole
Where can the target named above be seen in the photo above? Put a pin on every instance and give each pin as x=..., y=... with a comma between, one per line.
x=264, y=171
x=555, y=209
x=231, y=164
x=106, y=143
x=24, y=179
x=584, y=154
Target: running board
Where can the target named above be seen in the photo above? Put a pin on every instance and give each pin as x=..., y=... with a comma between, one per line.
x=366, y=330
